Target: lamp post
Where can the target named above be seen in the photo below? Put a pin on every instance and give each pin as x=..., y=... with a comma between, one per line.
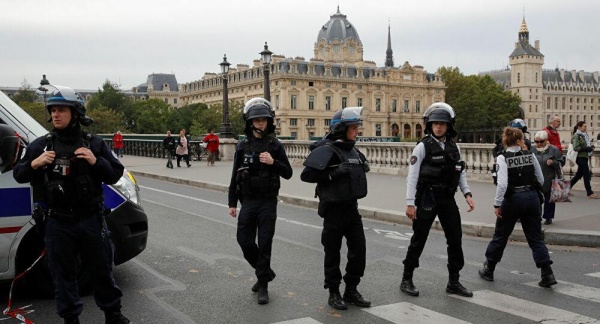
x=44, y=82
x=266, y=58
x=225, y=130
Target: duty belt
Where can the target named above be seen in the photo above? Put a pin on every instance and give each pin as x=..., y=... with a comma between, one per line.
x=72, y=215
x=523, y=188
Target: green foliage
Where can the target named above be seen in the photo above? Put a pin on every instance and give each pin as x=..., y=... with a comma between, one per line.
x=150, y=116
x=111, y=97
x=106, y=121
x=25, y=95
x=38, y=111
x=479, y=102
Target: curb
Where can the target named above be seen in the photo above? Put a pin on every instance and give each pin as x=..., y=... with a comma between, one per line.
x=477, y=229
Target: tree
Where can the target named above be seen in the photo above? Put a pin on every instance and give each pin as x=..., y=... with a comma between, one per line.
x=38, y=111
x=25, y=94
x=111, y=97
x=106, y=121
x=151, y=116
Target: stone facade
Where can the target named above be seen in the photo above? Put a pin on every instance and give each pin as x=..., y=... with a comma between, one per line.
x=572, y=95
x=306, y=93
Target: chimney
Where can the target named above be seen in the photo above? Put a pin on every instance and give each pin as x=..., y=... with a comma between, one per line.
x=537, y=45
x=562, y=75
x=574, y=75
x=581, y=75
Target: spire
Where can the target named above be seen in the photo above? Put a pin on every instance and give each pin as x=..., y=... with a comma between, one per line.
x=389, y=58
x=524, y=32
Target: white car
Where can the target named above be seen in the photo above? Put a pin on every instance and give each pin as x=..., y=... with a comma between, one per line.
x=20, y=244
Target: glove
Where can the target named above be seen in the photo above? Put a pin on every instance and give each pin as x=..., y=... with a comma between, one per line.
x=340, y=170
x=366, y=167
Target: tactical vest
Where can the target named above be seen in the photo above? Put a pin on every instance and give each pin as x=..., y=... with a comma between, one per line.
x=254, y=178
x=347, y=187
x=441, y=168
x=520, y=170
x=69, y=183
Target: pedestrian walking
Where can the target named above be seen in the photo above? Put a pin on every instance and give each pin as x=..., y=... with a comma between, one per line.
x=212, y=145
x=339, y=170
x=182, y=150
x=118, y=144
x=551, y=162
x=518, y=196
x=169, y=146
x=581, y=144
x=258, y=164
x=553, y=134
x=436, y=170
x=66, y=169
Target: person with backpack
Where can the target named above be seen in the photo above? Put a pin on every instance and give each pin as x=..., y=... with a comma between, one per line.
x=258, y=164
x=584, y=148
x=339, y=170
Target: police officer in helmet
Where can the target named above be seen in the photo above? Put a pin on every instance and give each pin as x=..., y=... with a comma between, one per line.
x=435, y=172
x=339, y=170
x=518, y=196
x=66, y=169
x=259, y=162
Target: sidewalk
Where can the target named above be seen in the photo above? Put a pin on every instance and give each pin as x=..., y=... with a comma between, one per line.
x=575, y=224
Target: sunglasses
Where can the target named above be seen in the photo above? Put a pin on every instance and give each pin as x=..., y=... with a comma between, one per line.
x=540, y=142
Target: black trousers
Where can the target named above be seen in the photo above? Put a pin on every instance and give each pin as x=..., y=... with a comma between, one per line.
x=447, y=212
x=342, y=220
x=523, y=205
x=257, y=220
x=186, y=158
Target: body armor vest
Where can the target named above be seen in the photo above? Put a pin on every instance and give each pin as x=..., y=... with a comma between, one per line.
x=441, y=168
x=350, y=186
x=69, y=182
x=520, y=170
x=255, y=178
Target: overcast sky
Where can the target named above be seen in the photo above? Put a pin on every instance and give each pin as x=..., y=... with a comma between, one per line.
x=82, y=43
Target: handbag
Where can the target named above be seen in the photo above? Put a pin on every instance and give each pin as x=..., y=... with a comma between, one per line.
x=571, y=155
x=559, y=191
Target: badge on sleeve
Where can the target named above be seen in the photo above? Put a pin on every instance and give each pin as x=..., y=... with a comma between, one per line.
x=413, y=160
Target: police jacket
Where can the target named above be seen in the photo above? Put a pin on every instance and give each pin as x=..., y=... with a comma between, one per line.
x=516, y=168
x=169, y=143
x=327, y=155
x=252, y=178
x=69, y=183
x=435, y=163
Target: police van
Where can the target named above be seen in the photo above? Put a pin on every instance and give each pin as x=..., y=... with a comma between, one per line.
x=21, y=245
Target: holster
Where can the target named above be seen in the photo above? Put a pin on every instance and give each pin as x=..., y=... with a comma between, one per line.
x=39, y=217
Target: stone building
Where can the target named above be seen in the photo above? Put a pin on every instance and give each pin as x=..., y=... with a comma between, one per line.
x=306, y=93
x=160, y=86
x=572, y=95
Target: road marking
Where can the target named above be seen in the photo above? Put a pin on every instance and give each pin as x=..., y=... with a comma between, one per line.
x=394, y=234
x=410, y=313
x=305, y=320
x=596, y=274
x=573, y=290
x=524, y=308
x=184, y=196
x=299, y=223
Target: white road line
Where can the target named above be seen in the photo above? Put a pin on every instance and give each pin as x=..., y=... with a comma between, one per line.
x=299, y=223
x=573, y=290
x=185, y=196
x=410, y=313
x=305, y=320
x=596, y=274
x=524, y=308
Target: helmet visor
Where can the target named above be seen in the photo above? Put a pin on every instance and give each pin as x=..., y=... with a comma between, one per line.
x=59, y=93
x=441, y=107
x=351, y=115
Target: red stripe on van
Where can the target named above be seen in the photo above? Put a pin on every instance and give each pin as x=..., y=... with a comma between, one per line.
x=5, y=230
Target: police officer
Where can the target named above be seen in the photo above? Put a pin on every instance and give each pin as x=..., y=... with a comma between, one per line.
x=259, y=162
x=169, y=145
x=66, y=169
x=499, y=148
x=339, y=169
x=520, y=179
x=435, y=171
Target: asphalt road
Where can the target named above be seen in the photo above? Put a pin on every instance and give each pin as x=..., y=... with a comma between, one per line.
x=193, y=271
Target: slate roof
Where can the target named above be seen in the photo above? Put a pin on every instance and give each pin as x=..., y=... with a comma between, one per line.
x=338, y=27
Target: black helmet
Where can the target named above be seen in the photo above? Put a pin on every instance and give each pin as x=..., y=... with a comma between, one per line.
x=518, y=123
x=342, y=119
x=259, y=108
x=440, y=112
x=65, y=96
x=10, y=148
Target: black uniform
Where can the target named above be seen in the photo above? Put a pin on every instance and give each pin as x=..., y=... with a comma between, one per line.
x=256, y=186
x=339, y=207
x=70, y=189
x=169, y=145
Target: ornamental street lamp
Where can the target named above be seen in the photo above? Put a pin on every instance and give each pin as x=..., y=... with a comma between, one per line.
x=225, y=130
x=44, y=82
x=266, y=58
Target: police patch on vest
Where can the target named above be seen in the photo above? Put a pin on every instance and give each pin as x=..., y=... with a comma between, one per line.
x=413, y=159
x=62, y=166
x=519, y=161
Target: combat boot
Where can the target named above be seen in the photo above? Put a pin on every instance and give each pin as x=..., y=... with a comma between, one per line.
x=115, y=317
x=335, y=299
x=71, y=320
x=257, y=284
x=407, y=286
x=352, y=296
x=548, y=279
x=263, y=293
x=487, y=272
x=454, y=287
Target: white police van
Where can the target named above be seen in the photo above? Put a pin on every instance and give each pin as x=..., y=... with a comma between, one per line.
x=20, y=244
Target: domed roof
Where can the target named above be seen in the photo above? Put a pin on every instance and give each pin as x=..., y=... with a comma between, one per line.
x=338, y=27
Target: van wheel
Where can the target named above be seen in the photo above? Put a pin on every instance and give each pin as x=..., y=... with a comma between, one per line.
x=38, y=280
